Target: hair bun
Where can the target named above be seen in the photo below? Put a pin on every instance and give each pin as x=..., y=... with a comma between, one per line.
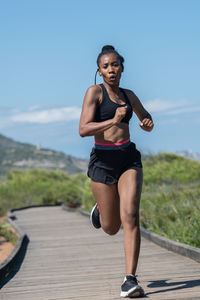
x=107, y=47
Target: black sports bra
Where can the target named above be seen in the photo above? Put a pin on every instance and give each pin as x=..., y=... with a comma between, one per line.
x=106, y=110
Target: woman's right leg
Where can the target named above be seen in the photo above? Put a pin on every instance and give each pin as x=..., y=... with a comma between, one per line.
x=107, y=199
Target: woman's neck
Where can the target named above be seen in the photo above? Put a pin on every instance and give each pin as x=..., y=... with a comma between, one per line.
x=112, y=88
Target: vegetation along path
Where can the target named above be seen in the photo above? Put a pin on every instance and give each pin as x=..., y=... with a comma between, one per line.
x=67, y=259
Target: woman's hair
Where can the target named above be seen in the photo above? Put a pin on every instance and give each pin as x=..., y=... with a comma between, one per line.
x=107, y=50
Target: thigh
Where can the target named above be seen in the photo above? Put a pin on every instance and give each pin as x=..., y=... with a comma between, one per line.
x=107, y=198
x=129, y=188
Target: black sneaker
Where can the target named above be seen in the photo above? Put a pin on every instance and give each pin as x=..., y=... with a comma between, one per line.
x=94, y=217
x=131, y=288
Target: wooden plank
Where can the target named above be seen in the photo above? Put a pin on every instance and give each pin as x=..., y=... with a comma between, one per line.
x=68, y=259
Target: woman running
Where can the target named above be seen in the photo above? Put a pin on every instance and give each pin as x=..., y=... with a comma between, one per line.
x=115, y=166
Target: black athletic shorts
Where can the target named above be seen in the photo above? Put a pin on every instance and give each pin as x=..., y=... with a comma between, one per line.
x=107, y=166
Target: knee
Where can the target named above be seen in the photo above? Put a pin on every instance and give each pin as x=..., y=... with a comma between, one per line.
x=130, y=218
x=110, y=229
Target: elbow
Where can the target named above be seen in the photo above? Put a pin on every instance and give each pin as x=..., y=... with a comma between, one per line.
x=82, y=132
x=82, y=135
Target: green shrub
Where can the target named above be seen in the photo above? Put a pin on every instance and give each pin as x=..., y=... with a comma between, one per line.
x=73, y=195
x=7, y=232
x=172, y=211
x=34, y=187
x=80, y=179
x=88, y=199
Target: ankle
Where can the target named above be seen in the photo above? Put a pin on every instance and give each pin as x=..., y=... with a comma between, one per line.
x=98, y=208
x=133, y=275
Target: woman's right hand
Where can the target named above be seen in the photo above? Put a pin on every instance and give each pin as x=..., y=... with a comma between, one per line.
x=119, y=114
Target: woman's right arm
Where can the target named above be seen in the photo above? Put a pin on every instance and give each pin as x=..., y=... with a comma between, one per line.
x=91, y=100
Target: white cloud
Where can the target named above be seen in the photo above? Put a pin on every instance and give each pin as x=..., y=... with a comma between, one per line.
x=67, y=113
x=165, y=121
x=34, y=107
x=186, y=109
x=158, y=105
x=170, y=108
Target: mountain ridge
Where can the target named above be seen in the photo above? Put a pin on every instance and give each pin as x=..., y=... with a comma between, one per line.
x=14, y=154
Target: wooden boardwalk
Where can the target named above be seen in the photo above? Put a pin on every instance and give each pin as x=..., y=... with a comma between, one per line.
x=67, y=259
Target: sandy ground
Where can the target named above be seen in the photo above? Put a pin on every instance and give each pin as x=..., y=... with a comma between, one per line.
x=5, y=248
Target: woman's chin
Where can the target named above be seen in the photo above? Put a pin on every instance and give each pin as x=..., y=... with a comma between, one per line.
x=113, y=82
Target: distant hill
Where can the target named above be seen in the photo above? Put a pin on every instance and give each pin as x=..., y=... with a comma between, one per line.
x=189, y=154
x=23, y=156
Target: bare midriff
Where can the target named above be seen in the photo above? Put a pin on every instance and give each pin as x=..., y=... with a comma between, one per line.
x=116, y=134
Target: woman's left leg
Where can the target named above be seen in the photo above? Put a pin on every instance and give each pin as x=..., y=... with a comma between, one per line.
x=129, y=188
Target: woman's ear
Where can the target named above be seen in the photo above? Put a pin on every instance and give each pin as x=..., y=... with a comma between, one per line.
x=99, y=72
x=122, y=68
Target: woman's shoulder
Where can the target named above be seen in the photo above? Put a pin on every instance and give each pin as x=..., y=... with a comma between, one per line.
x=94, y=92
x=94, y=88
x=128, y=91
x=130, y=94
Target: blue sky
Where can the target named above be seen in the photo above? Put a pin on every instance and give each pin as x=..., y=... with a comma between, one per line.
x=48, y=60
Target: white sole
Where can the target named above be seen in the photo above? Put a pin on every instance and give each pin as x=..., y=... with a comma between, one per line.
x=91, y=215
x=134, y=292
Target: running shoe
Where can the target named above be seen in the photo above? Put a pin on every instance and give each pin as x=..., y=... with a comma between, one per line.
x=95, y=217
x=130, y=288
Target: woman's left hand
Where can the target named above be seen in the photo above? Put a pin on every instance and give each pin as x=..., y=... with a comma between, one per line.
x=146, y=124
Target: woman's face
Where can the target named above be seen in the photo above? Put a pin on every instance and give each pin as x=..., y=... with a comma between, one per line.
x=110, y=68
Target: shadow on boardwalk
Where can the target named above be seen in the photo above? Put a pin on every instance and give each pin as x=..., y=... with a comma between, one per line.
x=10, y=273
x=171, y=286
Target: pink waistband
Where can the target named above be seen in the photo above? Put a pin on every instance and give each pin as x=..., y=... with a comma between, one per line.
x=112, y=144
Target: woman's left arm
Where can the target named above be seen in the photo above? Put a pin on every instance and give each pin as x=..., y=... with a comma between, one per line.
x=143, y=115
